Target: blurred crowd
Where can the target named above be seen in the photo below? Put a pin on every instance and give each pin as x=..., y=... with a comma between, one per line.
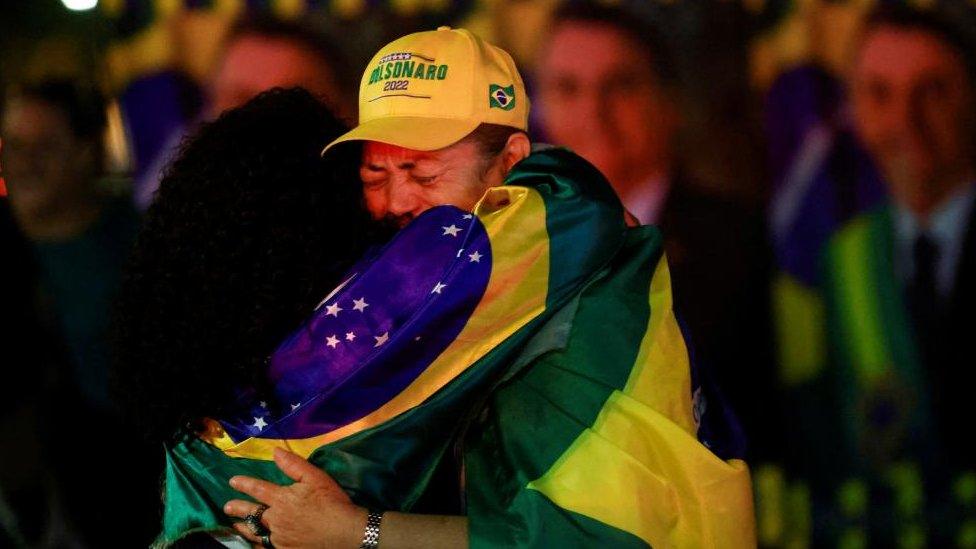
x=827, y=293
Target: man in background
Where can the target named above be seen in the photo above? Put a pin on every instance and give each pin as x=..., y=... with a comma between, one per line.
x=26, y=495
x=261, y=54
x=78, y=236
x=884, y=452
x=607, y=90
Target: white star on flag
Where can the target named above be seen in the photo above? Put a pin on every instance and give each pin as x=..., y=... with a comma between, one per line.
x=260, y=423
x=295, y=406
x=359, y=304
x=332, y=341
x=475, y=257
x=263, y=404
x=350, y=336
x=437, y=289
x=453, y=230
x=467, y=216
x=461, y=251
x=333, y=310
x=381, y=339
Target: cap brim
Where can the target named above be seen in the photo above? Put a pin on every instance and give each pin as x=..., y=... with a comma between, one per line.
x=410, y=132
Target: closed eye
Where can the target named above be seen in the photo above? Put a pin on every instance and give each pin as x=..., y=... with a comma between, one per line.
x=372, y=179
x=424, y=180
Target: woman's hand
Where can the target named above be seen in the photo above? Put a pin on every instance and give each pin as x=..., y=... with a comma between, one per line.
x=312, y=512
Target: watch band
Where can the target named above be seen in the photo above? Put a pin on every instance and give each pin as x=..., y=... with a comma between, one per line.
x=371, y=535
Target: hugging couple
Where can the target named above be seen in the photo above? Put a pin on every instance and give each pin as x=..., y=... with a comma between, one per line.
x=432, y=334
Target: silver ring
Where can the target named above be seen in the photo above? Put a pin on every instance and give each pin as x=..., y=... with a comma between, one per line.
x=253, y=521
x=266, y=541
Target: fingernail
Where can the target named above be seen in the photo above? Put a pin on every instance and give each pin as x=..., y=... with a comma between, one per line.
x=235, y=481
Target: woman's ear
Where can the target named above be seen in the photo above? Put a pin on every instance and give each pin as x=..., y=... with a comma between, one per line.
x=517, y=148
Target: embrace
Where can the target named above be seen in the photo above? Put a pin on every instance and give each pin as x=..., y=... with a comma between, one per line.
x=432, y=334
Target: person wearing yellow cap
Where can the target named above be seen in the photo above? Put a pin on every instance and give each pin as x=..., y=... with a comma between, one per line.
x=564, y=410
x=443, y=117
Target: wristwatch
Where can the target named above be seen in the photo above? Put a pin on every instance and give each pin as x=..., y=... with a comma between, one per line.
x=371, y=536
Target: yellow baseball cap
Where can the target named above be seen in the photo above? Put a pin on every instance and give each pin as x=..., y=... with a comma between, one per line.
x=428, y=90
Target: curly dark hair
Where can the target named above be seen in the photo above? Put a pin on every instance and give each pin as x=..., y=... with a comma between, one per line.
x=250, y=229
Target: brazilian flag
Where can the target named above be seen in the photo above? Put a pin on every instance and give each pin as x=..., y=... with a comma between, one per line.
x=535, y=339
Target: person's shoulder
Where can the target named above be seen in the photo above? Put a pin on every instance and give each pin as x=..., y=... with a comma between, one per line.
x=565, y=175
x=562, y=159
